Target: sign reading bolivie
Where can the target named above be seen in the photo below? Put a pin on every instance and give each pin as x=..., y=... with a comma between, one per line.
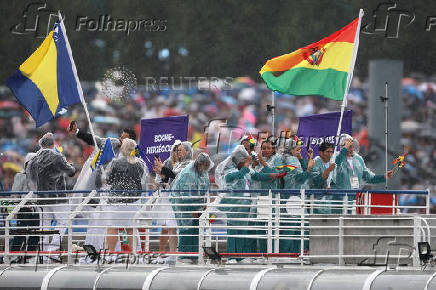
x=158, y=135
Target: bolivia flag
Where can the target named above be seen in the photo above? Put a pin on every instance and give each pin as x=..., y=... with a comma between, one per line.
x=323, y=68
x=287, y=168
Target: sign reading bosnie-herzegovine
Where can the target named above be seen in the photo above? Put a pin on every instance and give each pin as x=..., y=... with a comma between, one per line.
x=159, y=134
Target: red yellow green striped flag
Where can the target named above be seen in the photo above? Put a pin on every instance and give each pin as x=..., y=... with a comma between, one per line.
x=322, y=68
x=286, y=168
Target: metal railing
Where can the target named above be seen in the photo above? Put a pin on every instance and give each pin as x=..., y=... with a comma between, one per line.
x=268, y=225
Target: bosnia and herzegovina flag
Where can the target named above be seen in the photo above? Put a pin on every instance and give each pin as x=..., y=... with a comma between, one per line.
x=323, y=68
x=103, y=156
x=47, y=83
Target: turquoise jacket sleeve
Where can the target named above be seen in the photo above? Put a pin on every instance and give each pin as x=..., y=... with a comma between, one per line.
x=342, y=157
x=268, y=169
x=369, y=177
x=301, y=177
x=316, y=175
x=237, y=175
x=261, y=176
x=303, y=163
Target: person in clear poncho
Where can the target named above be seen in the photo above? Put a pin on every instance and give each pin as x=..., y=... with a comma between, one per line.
x=89, y=179
x=126, y=172
x=162, y=210
x=238, y=176
x=188, y=202
x=47, y=170
x=351, y=171
x=26, y=217
x=295, y=179
x=22, y=182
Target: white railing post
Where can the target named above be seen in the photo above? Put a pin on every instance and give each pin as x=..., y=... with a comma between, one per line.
x=341, y=241
x=137, y=218
x=312, y=200
x=366, y=203
x=427, y=205
x=25, y=199
x=416, y=239
x=277, y=224
x=270, y=231
x=208, y=239
x=345, y=204
x=302, y=219
x=201, y=233
x=72, y=216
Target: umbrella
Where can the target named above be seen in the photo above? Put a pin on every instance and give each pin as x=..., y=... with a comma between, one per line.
x=9, y=105
x=12, y=166
x=107, y=120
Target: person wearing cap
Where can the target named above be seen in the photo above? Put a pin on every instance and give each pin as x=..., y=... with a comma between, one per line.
x=238, y=178
x=47, y=170
x=351, y=171
x=188, y=201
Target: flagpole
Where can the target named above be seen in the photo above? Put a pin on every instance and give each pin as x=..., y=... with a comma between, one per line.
x=349, y=79
x=350, y=75
x=273, y=113
x=79, y=86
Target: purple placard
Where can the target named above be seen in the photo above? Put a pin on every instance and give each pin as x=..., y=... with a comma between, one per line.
x=316, y=129
x=158, y=135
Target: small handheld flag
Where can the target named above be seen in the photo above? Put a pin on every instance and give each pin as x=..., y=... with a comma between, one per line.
x=399, y=162
x=103, y=156
x=286, y=168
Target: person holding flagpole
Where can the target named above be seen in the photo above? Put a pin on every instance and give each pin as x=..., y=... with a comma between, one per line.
x=321, y=171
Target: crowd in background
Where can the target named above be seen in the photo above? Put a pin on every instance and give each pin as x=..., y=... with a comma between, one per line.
x=243, y=104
